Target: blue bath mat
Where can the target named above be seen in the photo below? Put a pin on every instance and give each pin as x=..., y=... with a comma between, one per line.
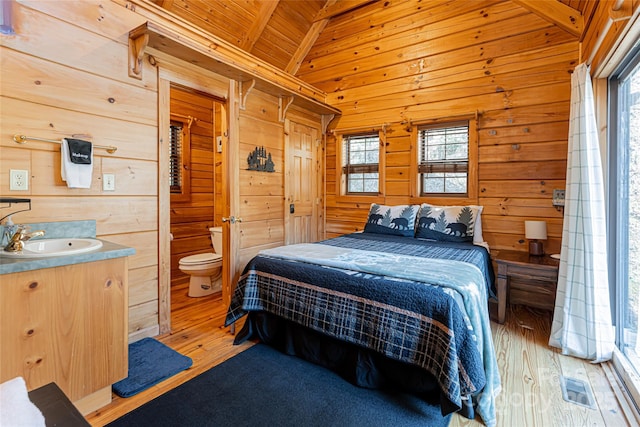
x=150, y=362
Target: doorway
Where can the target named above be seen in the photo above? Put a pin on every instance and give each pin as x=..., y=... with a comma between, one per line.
x=196, y=192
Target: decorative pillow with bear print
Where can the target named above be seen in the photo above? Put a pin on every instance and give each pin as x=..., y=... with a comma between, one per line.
x=397, y=220
x=447, y=223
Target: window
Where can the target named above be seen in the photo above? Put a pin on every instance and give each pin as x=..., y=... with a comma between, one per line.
x=175, y=157
x=179, y=160
x=443, y=159
x=360, y=163
x=624, y=211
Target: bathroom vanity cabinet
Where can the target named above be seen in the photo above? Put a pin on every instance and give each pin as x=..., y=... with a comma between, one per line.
x=68, y=325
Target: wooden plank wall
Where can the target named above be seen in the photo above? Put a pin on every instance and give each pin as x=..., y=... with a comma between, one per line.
x=191, y=220
x=64, y=72
x=399, y=63
x=261, y=193
x=392, y=63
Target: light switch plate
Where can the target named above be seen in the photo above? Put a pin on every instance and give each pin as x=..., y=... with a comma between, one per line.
x=108, y=182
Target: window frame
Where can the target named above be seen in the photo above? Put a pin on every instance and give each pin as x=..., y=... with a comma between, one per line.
x=617, y=222
x=341, y=181
x=184, y=193
x=471, y=196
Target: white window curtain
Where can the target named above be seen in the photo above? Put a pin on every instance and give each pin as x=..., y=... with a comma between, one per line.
x=582, y=325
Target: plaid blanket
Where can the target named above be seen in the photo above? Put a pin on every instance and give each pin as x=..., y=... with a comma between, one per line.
x=413, y=321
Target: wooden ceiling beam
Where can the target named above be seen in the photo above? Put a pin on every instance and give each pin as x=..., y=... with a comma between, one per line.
x=305, y=46
x=565, y=17
x=333, y=8
x=308, y=40
x=267, y=7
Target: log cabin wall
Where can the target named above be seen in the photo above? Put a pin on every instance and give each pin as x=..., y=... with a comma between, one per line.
x=262, y=198
x=261, y=193
x=193, y=215
x=399, y=63
x=77, y=84
x=396, y=63
x=64, y=73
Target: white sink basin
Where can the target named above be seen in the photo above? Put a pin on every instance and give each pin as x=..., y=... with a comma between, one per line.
x=55, y=247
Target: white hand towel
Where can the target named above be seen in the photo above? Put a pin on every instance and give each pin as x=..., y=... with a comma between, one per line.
x=76, y=175
x=16, y=410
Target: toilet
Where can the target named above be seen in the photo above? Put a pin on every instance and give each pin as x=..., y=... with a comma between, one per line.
x=205, y=269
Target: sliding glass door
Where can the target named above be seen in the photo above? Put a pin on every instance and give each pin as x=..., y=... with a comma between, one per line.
x=624, y=213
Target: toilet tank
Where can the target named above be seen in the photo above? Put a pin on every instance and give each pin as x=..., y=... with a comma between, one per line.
x=216, y=239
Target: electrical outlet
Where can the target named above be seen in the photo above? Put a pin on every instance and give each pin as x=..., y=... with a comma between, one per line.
x=558, y=197
x=19, y=180
x=108, y=182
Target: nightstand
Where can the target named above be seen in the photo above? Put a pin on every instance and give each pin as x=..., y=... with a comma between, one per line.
x=525, y=279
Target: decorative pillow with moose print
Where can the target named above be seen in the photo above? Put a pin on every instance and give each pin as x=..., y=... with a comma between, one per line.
x=397, y=220
x=446, y=223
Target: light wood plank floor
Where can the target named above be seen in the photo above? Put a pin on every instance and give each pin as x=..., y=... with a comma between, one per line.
x=530, y=369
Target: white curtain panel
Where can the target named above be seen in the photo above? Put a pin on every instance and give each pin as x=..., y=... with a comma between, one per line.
x=582, y=325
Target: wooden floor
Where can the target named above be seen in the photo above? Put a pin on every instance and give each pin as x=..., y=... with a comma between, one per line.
x=530, y=369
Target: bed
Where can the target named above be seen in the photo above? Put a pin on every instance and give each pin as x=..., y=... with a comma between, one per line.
x=381, y=309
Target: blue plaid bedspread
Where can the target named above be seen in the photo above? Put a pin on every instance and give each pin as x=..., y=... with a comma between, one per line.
x=345, y=293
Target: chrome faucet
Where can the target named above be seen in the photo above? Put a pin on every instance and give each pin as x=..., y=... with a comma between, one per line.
x=16, y=243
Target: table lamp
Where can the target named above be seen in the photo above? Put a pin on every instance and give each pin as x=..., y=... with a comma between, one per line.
x=535, y=231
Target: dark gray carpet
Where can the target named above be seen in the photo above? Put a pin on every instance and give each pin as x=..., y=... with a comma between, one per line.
x=263, y=387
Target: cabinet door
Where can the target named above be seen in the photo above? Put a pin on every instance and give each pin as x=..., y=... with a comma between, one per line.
x=65, y=324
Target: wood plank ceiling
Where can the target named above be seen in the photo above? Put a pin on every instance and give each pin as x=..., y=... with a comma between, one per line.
x=282, y=32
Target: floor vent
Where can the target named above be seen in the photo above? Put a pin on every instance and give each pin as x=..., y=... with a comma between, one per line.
x=578, y=392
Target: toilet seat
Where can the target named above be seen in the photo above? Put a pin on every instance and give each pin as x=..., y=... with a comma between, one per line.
x=200, y=259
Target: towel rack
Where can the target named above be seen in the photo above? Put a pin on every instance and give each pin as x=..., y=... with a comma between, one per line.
x=22, y=139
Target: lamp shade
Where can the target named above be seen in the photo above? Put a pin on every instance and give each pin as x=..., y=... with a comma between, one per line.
x=535, y=230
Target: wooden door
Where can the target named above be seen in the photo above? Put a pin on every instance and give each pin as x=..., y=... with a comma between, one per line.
x=303, y=170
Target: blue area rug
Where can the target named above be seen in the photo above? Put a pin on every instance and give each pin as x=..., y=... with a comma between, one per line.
x=150, y=362
x=263, y=387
